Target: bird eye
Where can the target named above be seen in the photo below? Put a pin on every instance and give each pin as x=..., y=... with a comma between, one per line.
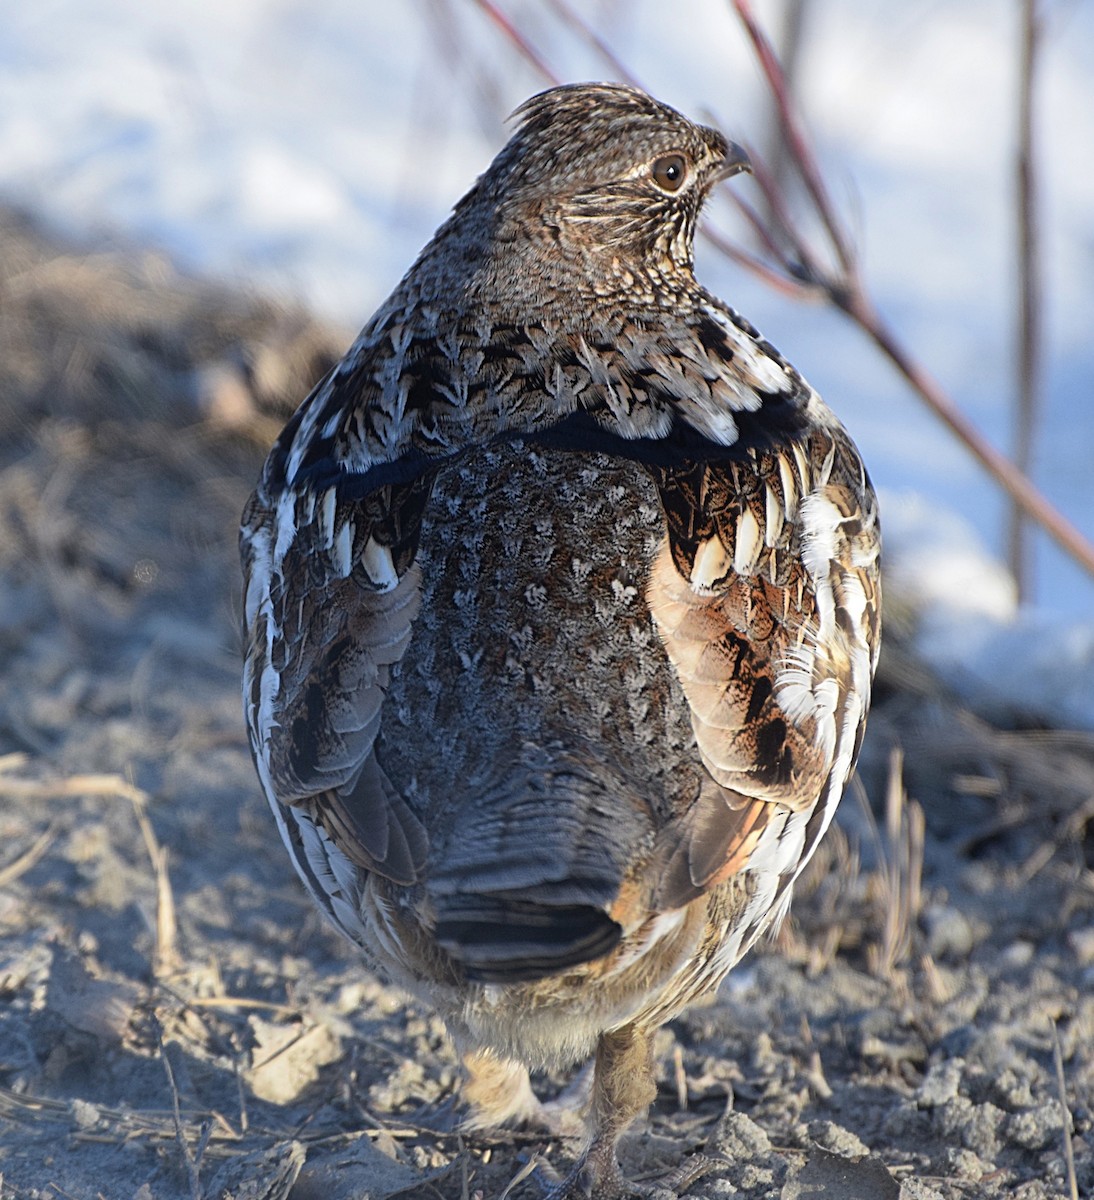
x=669, y=172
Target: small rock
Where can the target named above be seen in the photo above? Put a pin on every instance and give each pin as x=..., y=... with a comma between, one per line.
x=739, y=1138
x=100, y=1007
x=950, y=934
x=824, y=1174
x=287, y=1058
x=941, y=1083
x=976, y=1126
x=916, y=1189
x=893, y=1053
x=966, y=1164
x=1011, y=1091
x=1018, y=954
x=1036, y=1127
x=84, y=1114
x=1081, y=942
x=838, y=1140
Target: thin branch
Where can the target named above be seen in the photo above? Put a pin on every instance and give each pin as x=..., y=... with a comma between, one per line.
x=1002, y=470
x=796, y=141
x=518, y=39
x=790, y=42
x=777, y=280
x=1065, y=1112
x=1029, y=309
x=587, y=33
x=192, y=1164
x=849, y=294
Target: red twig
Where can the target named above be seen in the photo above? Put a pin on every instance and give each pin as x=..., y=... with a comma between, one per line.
x=1017, y=485
x=848, y=293
x=800, y=153
x=587, y=33
x=518, y=39
x=779, y=280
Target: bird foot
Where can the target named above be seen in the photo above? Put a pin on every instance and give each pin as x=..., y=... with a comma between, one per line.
x=590, y=1180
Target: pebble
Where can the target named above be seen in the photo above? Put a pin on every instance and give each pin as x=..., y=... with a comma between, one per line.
x=1036, y=1127
x=950, y=933
x=85, y=1115
x=966, y=1164
x=1081, y=942
x=916, y=1189
x=739, y=1138
x=838, y=1140
x=1018, y=954
x=941, y=1083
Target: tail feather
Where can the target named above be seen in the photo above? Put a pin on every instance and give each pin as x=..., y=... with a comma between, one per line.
x=523, y=885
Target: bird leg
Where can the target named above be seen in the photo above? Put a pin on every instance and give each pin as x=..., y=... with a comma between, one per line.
x=623, y=1088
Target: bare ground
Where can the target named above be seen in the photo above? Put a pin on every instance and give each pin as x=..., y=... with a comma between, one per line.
x=175, y=1021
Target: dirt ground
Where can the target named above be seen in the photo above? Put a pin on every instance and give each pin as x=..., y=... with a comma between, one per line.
x=175, y=1020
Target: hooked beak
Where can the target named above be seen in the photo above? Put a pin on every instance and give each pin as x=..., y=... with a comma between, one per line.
x=736, y=160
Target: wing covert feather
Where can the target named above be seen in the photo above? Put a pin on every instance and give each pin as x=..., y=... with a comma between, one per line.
x=765, y=594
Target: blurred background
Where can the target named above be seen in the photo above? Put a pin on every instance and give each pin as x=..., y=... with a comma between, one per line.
x=306, y=151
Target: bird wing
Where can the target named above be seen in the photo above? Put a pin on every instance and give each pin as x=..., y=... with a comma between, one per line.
x=331, y=592
x=766, y=596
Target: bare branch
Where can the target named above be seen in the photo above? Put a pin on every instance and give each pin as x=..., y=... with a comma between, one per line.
x=517, y=39
x=1029, y=308
x=1002, y=470
x=797, y=143
x=587, y=33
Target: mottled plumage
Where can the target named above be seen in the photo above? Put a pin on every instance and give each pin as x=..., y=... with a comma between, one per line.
x=561, y=616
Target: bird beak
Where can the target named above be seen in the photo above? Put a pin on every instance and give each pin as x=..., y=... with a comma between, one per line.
x=736, y=160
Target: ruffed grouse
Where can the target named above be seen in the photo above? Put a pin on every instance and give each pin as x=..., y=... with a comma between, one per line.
x=561, y=616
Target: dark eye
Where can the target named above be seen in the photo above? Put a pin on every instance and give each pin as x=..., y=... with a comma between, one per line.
x=669, y=171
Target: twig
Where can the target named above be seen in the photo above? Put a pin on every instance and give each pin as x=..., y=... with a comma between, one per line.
x=74, y=785
x=904, y=831
x=796, y=141
x=518, y=39
x=848, y=293
x=286, y=1010
x=999, y=467
x=191, y=1164
x=900, y=868
x=1029, y=308
x=793, y=26
x=680, y=1078
x=1065, y=1112
x=777, y=280
x=21, y=865
x=528, y=1168
x=587, y=33
x=166, y=959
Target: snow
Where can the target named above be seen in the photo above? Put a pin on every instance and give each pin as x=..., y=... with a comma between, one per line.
x=310, y=148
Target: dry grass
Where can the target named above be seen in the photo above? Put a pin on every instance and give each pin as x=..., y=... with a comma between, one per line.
x=899, y=880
